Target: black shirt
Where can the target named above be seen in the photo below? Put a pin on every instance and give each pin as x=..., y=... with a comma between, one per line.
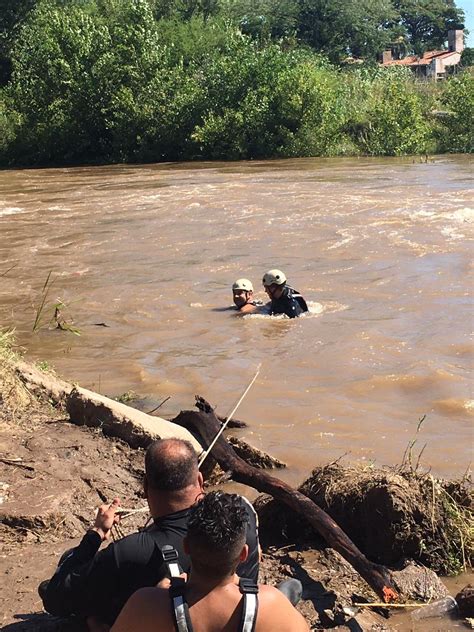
x=290, y=303
x=92, y=582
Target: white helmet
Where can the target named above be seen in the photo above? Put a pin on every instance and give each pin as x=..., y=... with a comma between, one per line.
x=242, y=284
x=274, y=277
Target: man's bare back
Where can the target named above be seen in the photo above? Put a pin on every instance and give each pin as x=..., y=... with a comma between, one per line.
x=218, y=610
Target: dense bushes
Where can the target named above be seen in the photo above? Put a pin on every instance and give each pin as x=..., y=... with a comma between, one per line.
x=387, y=114
x=91, y=84
x=457, y=132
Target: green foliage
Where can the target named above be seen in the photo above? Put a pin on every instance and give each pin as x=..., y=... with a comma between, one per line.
x=263, y=19
x=9, y=126
x=7, y=343
x=127, y=397
x=114, y=80
x=265, y=102
x=342, y=27
x=12, y=15
x=53, y=85
x=44, y=365
x=390, y=118
x=467, y=57
x=427, y=22
x=457, y=133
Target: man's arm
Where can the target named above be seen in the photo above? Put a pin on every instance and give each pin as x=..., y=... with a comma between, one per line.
x=147, y=610
x=248, y=308
x=276, y=613
x=84, y=579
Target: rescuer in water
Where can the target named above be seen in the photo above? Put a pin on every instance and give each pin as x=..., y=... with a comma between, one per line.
x=283, y=298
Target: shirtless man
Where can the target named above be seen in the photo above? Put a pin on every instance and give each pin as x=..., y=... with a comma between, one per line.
x=242, y=293
x=212, y=599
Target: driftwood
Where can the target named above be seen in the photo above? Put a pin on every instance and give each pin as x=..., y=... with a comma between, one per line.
x=207, y=425
x=233, y=423
x=465, y=601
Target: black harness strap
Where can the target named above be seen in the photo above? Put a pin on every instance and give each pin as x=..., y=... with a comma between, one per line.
x=179, y=607
x=249, y=590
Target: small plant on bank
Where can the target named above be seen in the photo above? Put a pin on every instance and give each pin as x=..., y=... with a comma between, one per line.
x=125, y=398
x=45, y=307
x=43, y=365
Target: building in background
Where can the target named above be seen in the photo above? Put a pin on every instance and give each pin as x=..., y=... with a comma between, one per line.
x=433, y=64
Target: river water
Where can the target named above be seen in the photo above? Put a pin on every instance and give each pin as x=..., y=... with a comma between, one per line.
x=380, y=248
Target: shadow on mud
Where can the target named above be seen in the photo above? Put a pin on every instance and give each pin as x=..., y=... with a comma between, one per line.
x=43, y=622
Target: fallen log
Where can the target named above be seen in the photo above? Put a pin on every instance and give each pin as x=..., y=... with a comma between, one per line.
x=207, y=425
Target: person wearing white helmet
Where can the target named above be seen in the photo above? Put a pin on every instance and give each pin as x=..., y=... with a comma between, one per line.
x=242, y=292
x=283, y=298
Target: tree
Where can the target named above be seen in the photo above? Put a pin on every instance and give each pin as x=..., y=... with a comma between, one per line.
x=12, y=15
x=457, y=134
x=184, y=9
x=467, y=57
x=427, y=22
x=339, y=28
x=262, y=19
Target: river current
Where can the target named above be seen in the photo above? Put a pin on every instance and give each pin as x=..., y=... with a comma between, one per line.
x=380, y=248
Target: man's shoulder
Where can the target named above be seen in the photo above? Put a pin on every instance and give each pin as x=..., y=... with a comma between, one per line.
x=140, y=545
x=148, y=610
x=269, y=593
x=277, y=613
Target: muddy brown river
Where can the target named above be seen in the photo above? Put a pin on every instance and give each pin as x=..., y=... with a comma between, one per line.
x=380, y=248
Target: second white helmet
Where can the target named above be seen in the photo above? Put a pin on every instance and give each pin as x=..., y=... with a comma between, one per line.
x=243, y=284
x=273, y=277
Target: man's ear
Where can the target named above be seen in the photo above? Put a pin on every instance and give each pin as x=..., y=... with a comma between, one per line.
x=145, y=486
x=185, y=545
x=244, y=553
x=200, y=480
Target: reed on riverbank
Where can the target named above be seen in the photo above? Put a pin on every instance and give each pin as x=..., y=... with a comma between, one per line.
x=93, y=87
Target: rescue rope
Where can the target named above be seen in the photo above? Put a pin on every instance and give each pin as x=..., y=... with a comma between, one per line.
x=203, y=456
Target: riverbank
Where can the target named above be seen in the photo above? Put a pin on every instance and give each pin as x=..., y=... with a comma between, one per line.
x=54, y=473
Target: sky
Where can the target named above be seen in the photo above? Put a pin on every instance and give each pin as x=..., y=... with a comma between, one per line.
x=468, y=7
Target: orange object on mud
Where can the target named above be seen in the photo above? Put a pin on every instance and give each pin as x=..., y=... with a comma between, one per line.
x=389, y=595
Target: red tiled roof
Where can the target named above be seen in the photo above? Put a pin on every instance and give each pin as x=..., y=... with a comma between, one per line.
x=413, y=60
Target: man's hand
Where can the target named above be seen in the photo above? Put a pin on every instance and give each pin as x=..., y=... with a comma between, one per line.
x=106, y=518
x=166, y=581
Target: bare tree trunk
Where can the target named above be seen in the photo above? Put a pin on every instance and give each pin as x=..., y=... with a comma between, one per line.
x=207, y=425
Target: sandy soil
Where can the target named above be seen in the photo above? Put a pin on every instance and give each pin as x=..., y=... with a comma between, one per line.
x=52, y=476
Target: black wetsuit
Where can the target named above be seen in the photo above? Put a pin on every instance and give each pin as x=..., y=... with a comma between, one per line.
x=290, y=303
x=92, y=582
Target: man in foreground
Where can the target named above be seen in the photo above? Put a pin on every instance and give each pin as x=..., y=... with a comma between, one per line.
x=93, y=583
x=283, y=298
x=242, y=293
x=212, y=599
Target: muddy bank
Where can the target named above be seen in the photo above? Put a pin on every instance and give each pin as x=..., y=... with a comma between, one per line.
x=391, y=514
x=54, y=473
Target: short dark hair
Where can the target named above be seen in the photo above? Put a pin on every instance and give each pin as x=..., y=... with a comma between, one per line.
x=217, y=527
x=171, y=464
